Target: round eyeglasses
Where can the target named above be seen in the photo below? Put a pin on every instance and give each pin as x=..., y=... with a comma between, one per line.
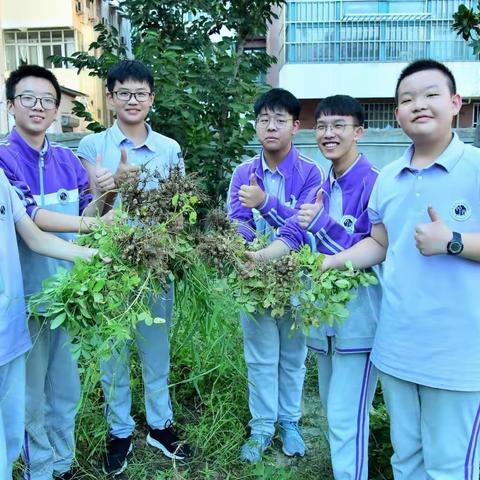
x=336, y=128
x=264, y=122
x=29, y=101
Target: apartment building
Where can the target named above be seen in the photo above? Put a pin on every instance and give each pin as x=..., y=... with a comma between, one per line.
x=33, y=30
x=354, y=47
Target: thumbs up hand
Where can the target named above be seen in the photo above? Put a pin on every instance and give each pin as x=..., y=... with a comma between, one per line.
x=432, y=238
x=104, y=180
x=251, y=195
x=124, y=169
x=308, y=211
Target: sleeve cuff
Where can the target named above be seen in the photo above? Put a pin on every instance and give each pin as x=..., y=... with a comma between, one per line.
x=318, y=222
x=374, y=216
x=266, y=206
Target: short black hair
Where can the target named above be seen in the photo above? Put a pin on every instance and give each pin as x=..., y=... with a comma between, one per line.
x=278, y=99
x=341, y=105
x=31, y=71
x=426, y=64
x=129, y=70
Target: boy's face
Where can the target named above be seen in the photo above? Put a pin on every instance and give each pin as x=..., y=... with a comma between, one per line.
x=275, y=129
x=337, y=136
x=35, y=118
x=134, y=110
x=426, y=106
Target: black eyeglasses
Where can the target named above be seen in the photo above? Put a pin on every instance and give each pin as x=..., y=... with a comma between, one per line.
x=29, y=101
x=125, y=95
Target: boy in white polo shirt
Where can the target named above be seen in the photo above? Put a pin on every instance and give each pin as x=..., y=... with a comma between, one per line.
x=425, y=210
x=123, y=148
x=14, y=336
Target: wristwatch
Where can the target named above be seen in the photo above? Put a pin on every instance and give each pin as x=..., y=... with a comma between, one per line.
x=455, y=245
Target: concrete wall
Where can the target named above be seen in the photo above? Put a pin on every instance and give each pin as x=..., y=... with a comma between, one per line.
x=36, y=13
x=364, y=80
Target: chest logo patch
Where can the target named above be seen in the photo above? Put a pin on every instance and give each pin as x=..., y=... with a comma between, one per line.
x=460, y=210
x=62, y=196
x=3, y=211
x=348, y=223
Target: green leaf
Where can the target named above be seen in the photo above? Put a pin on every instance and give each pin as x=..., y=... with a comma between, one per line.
x=98, y=297
x=192, y=217
x=342, y=283
x=58, y=320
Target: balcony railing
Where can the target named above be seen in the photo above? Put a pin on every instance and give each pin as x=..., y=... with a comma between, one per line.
x=328, y=31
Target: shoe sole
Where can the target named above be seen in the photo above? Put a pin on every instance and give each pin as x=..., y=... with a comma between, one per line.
x=122, y=468
x=156, y=444
x=295, y=454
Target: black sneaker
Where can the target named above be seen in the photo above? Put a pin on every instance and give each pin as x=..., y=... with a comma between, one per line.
x=115, y=460
x=168, y=442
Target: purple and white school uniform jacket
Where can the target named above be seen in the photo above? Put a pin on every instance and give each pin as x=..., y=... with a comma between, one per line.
x=332, y=235
x=300, y=174
x=52, y=178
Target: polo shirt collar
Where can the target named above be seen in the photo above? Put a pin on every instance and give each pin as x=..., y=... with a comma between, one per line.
x=265, y=166
x=285, y=167
x=331, y=175
x=448, y=159
x=119, y=137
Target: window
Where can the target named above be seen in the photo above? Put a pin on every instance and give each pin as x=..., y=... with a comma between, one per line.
x=402, y=6
x=476, y=114
x=354, y=7
x=35, y=46
x=380, y=115
x=373, y=31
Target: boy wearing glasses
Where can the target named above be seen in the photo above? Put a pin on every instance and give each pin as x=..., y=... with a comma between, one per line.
x=264, y=192
x=54, y=188
x=122, y=149
x=336, y=214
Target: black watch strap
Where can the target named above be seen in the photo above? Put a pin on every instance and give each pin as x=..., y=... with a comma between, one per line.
x=455, y=245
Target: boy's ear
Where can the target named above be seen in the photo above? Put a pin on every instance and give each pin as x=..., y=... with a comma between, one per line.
x=10, y=107
x=456, y=103
x=296, y=126
x=109, y=96
x=359, y=131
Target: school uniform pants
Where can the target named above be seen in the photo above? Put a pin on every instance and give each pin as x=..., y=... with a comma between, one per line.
x=275, y=357
x=12, y=413
x=347, y=383
x=52, y=397
x=434, y=432
x=154, y=350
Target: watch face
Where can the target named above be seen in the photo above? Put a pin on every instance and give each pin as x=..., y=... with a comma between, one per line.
x=455, y=247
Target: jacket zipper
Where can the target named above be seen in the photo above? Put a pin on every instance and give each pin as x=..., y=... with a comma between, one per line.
x=41, y=168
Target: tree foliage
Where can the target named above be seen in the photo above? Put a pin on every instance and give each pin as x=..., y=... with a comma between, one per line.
x=466, y=22
x=206, y=78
